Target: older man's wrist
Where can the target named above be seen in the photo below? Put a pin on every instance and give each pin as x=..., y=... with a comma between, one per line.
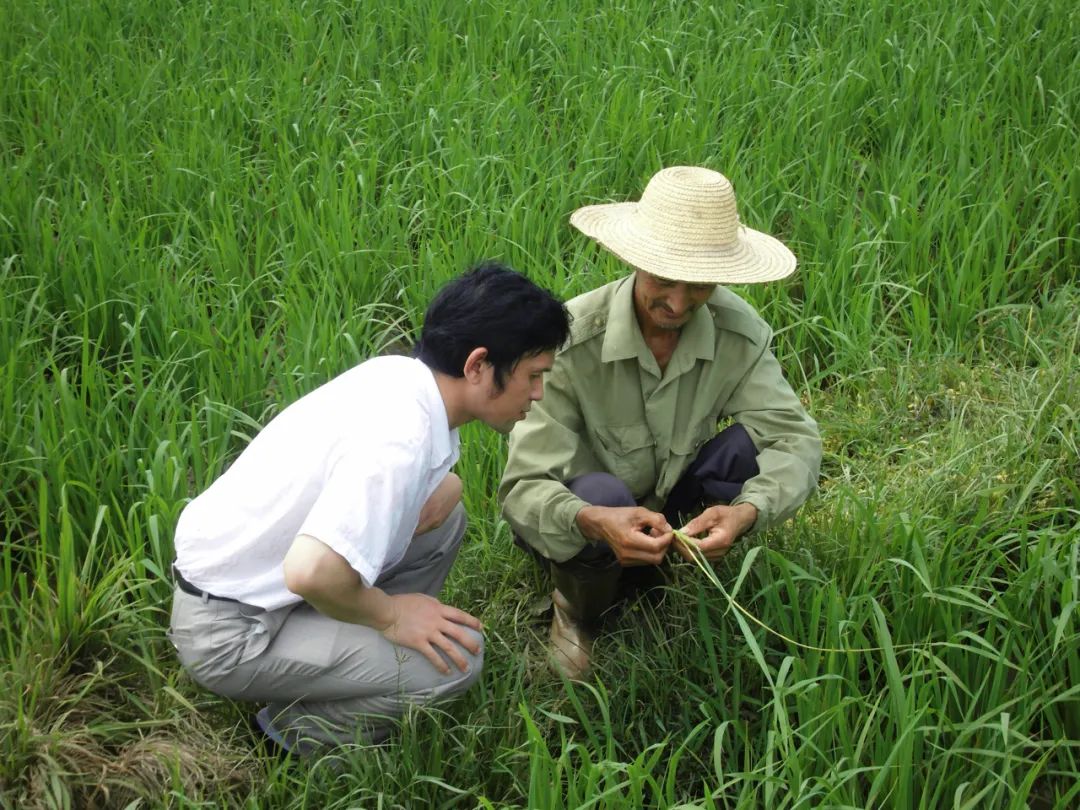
x=587, y=521
x=748, y=516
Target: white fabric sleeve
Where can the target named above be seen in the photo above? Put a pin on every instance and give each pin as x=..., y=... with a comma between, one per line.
x=369, y=501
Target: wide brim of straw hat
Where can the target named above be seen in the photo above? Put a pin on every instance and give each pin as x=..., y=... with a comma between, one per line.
x=677, y=247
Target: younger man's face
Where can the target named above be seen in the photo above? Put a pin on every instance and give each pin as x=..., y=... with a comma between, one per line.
x=523, y=386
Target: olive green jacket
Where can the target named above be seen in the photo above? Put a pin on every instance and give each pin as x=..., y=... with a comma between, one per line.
x=606, y=407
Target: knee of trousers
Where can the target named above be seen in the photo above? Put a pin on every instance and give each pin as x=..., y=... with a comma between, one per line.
x=447, y=536
x=463, y=680
x=459, y=519
x=602, y=489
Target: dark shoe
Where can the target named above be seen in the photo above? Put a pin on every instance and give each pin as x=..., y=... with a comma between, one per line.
x=274, y=741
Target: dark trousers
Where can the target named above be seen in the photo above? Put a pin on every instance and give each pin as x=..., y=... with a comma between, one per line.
x=717, y=473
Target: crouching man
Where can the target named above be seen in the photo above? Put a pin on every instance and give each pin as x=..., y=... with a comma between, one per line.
x=627, y=444
x=307, y=576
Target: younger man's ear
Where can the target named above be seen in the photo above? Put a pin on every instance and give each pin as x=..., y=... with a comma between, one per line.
x=474, y=364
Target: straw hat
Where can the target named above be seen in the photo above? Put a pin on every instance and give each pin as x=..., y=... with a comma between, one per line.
x=686, y=228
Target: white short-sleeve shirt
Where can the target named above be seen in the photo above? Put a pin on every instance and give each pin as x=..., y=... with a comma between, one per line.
x=350, y=464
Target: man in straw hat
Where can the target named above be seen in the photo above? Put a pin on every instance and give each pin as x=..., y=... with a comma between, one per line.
x=625, y=444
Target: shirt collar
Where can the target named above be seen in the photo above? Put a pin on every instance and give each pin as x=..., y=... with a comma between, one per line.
x=623, y=339
x=444, y=441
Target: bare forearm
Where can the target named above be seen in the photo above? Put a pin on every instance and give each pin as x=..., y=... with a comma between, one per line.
x=357, y=604
x=326, y=582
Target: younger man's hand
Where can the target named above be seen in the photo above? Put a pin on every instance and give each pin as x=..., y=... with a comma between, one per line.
x=425, y=624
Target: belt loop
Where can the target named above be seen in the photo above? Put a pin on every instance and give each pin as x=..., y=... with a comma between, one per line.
x=205, y=597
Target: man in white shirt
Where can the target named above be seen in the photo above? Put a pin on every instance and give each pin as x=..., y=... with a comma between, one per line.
x=307, y=574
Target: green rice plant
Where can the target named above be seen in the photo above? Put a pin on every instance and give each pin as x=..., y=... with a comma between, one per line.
x=206, y=211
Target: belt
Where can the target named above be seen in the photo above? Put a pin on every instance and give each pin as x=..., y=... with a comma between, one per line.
x=187, y=587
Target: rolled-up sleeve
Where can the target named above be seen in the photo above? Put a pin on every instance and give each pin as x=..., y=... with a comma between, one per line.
x=546, y=450
x=786, y=438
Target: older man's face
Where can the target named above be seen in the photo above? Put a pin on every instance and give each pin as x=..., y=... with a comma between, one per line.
x=666, y=305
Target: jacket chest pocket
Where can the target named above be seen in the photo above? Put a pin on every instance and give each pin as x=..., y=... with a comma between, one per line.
x=629, y=453
x=694, y=438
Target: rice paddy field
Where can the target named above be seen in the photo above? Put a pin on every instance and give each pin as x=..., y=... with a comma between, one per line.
x=208, y=209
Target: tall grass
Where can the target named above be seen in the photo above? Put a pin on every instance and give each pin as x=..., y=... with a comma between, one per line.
x=208, y=209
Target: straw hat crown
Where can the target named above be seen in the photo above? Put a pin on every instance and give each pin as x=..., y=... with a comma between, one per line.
x=686, y=228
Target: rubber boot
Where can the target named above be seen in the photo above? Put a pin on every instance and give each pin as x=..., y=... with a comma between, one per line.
x=646, y=581
x=582, y=594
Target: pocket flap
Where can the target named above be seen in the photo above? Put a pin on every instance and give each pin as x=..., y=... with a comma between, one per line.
x=623, y=439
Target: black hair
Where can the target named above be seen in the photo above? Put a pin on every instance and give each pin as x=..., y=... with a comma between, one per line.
x=495, y=307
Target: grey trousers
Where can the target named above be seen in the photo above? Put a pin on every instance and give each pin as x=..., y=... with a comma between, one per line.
x=324, y=680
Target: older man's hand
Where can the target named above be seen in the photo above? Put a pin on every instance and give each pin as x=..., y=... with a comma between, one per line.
x=636, y=535
x=723, y=524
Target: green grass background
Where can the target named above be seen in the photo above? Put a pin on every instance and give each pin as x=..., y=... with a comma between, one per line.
x=207, y=209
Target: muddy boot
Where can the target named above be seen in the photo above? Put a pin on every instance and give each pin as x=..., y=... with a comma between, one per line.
x=582, y=594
